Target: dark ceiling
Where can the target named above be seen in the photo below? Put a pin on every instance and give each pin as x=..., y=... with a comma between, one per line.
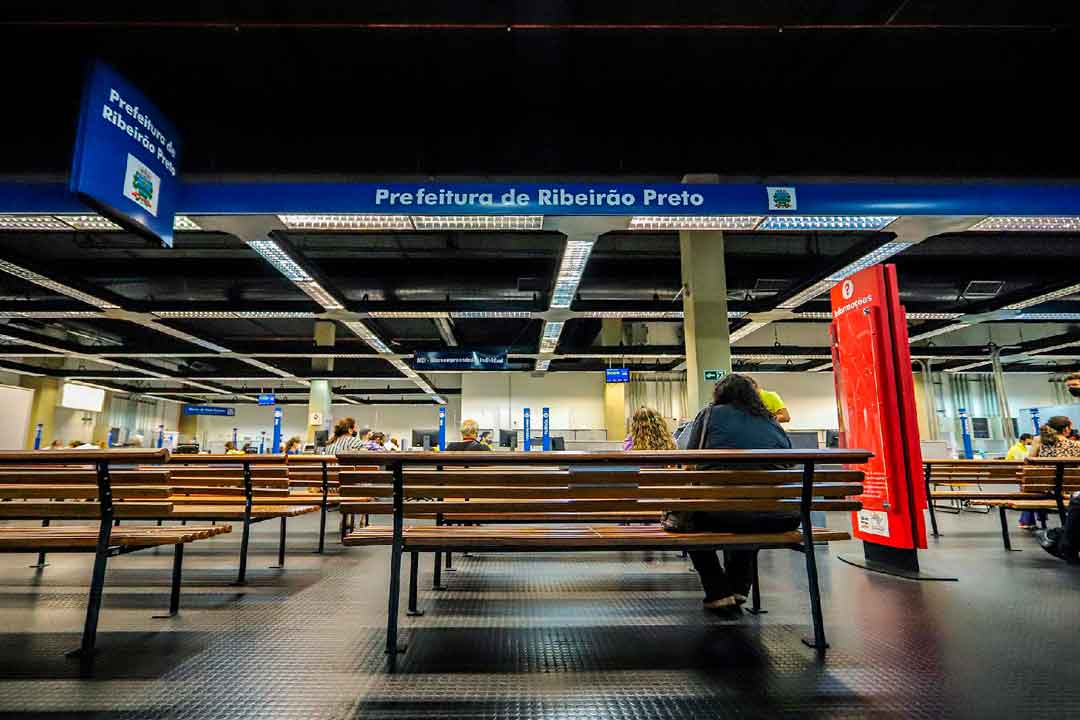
x=795, y=87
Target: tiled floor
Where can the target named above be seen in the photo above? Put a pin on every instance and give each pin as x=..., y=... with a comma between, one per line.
x=605, y=635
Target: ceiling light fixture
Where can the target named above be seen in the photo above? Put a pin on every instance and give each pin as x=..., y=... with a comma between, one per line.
x=820, y=368
x=1044, y=297
x=346, y=222
x=89, y=222
x=932, y=316
x=486, y=314
x=403, y=314
x=183, y=222
x=368, y=335
x=31, y=222
x=1047, y=317
x=33, y=277
x=549, y=339
x=643, y=314
x=478, y=222
x=543, y=365
x=939, y=331
x=51, y=314
x=747, y=329
x=826, y=222
x=575, y=258
x=702, y=222
x=872, y=258
x=1013, y=223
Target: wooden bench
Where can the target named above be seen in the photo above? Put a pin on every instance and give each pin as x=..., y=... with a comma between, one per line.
x=1045, y=483
x=593, y=482
x=968, y=481
x=86, y=491
x=245, y=488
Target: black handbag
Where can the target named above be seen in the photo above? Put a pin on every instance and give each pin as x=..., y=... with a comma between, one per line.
x=683, y=520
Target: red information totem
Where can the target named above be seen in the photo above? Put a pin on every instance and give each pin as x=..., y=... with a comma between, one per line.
x=875, y=395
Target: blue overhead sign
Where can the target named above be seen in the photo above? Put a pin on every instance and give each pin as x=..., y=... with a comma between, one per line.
x=209, y=410
x=267, y=398
x=618, y=375
x=127, y=155
x=460, y=360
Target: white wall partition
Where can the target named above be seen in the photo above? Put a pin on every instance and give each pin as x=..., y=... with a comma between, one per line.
x=15, y=409
x=496, y=400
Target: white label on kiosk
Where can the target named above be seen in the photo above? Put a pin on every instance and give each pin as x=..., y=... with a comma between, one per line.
x=874, y=522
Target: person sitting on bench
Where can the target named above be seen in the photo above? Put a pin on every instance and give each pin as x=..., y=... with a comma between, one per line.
x=738, y=420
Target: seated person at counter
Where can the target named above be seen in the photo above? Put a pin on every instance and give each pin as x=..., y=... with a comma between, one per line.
x=469, y=430
x=648, y=431
x=773, y=402
x=292, y=447
x=738, y=420
x=344, y=438
x=231, y=449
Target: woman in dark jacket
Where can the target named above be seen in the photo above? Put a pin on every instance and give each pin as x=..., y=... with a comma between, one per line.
x=738, y=420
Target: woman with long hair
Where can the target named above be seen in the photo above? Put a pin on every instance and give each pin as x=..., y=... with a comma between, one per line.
x=344, y=437
x=738, y=419
x=1055, y=439
x=648, y=431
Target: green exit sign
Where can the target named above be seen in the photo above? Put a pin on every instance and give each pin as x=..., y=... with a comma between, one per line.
x=714, y=375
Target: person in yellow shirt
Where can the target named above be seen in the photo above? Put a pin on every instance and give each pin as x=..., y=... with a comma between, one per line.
x=231, y=449
x=1020, y=450
x=774, y=403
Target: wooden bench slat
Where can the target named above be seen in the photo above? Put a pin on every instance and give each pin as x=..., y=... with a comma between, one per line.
x=412, y=509
x=74, y=510
x=433, y=538
x=603, y=491
x=81, y=492
x=72, y=536
x=236, y=512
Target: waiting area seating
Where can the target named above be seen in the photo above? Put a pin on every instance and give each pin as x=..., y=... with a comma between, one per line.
x=558, y=485
x=54, y=486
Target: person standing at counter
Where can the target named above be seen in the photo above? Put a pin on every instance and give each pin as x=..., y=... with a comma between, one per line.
x=773, y=402
x=737, y=419
x=1020, y=451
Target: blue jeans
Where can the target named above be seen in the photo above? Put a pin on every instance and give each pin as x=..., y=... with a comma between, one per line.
x=1027, y=517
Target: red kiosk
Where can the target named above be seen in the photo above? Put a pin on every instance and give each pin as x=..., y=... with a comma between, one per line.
x=876, y=402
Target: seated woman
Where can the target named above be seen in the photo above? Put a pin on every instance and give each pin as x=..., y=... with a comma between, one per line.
x=738, y=420
x=648, y=431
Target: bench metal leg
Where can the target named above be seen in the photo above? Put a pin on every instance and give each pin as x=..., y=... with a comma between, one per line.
x=159, y=522
x=93, y=604
x=414, y=574
x=755, y=590
x=436, y=575
x=41, y=555
x=818, y=642
x=450, y=562
x=281, y=547
x=177, y=573
x=392, y=648
x=322, y=530
x=1005, y=529
x=249, y=493
x=930, y=501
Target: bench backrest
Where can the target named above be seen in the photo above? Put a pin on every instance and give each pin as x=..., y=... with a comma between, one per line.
x=53, y=491
x=981, y=472
x=600, y=489
x=1040, y=478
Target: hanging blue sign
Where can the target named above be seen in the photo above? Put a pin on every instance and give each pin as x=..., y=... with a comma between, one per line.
x=267, y=398
x=617, y=375
x=210, y=410
x=460, y=360
x=127, y=155
x=528, y=429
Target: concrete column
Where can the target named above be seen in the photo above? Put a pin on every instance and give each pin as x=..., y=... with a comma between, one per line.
x=611, y=332
x=43, y=409
x=705, y=323
x=319, y=395
x=188, y=427
x=1002, y=399
x=615, y=410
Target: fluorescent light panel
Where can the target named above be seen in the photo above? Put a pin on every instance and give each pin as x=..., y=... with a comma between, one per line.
x=485, y=314
x=89, y=222
x=1045, y=297
x=543, y=365
x=319, y=294
x=870, y=259
x=1015, y=223
x=402, y=314
x=703, y=222
x=31, y=222
x=747, y=329
x=346, y=222
x=478, y=222
x=826, y=222
x=183, y=222
x=31, y=276
x=644, y=314
x=821, y=367
x=367, y=335
x=52, y=314
x=276, y=256
x=574, y=260
x=1048, y=317
x=933, y=316
x=940, y=331
x=550, y=338
x=230, y=315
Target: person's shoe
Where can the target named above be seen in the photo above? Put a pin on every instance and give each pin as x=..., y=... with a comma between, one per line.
x=720, y=603
x=1027, y=527
x=739, y=599
x=1048, y=540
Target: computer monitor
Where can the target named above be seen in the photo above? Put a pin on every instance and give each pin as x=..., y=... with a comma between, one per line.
x=432, y=437
x=187, y=449
x=558, y=443
x=508, y=438
x=322, y=438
